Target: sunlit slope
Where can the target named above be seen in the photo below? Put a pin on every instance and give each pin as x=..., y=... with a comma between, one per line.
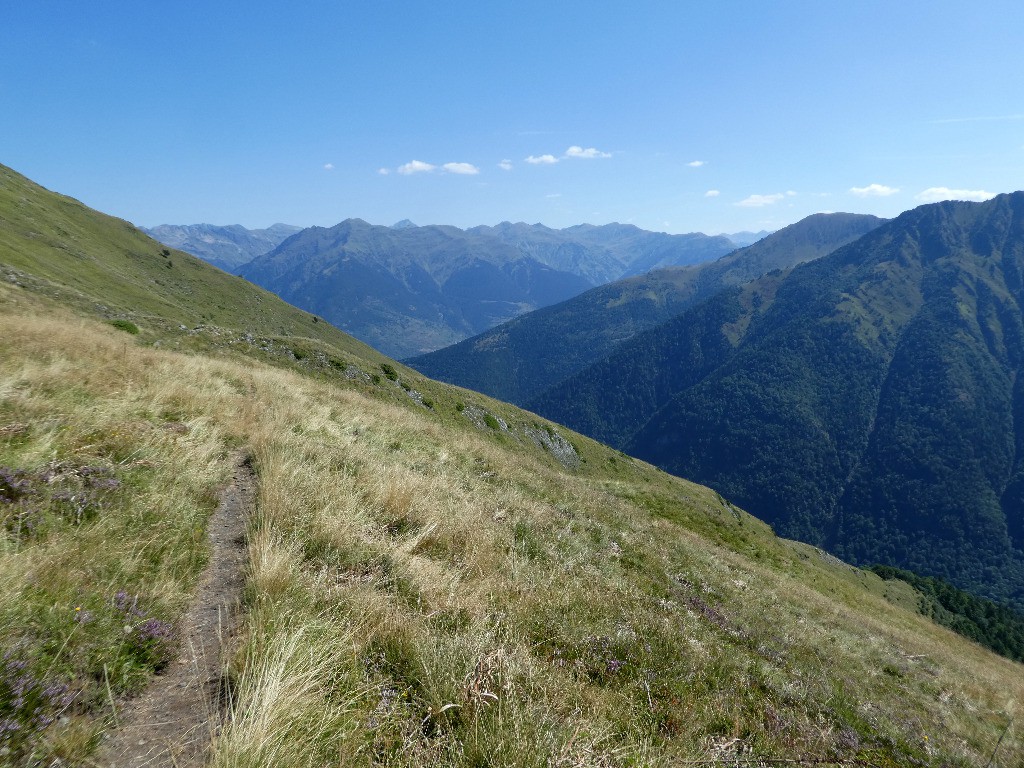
x=57, y=246
x=869, y=401
x=429, y=586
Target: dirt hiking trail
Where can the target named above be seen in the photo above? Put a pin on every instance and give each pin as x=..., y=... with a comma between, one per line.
x=172, y=723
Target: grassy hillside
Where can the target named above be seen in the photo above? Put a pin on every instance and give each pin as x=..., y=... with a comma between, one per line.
x=434, y=578
x=59, y=247
x=426, y=591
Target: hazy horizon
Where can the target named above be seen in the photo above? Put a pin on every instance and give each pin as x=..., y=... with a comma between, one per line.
x=715, y=118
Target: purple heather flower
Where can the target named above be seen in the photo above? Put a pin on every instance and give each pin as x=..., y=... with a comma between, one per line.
x=28, y=704
x=155, y=629
x=128, y=604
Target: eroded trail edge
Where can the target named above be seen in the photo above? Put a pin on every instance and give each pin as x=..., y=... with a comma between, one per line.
x=173, y=722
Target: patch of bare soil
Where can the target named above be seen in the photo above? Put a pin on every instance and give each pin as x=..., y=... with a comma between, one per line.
x=173, y=722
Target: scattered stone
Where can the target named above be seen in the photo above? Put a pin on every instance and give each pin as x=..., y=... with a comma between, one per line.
x=353, y=373
x=476, y=415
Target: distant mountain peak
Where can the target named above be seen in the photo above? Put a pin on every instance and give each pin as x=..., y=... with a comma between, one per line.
x=404, y=224
x=521, y=359
x=227, y=247
x=745, y=238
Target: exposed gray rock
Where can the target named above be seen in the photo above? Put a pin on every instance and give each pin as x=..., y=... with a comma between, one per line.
x=555, y=444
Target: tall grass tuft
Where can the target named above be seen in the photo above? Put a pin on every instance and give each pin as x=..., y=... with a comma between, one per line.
x=293, y=704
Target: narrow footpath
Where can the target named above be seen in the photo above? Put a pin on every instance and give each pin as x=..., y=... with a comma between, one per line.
x=172, y=724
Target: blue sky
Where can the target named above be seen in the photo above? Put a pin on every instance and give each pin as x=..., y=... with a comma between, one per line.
x=674, y=116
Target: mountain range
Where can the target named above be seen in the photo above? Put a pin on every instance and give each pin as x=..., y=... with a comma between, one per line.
x=429, y=576
x=226, y=247
x=413, y=289
x=649, y=364
x=607, y=252
x=869, y=401
x=518, y=360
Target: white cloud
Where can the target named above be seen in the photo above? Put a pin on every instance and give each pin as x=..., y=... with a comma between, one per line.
x=328, y=166
x=505, y=165
x=936, y=194
x=383, y=171
x=415, y=166
x=712, y=193
x=542, y=160
x=759, y=201
x=790, y=193
x=587, y=154
x=696, y=163
x=463, y=169
x=874, y=190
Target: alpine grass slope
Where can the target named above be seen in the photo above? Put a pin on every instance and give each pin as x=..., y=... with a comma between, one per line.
x=434, y=578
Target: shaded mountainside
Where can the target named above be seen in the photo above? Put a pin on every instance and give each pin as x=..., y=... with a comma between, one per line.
x=518, y=360
x=868, y=401
x=432, y=577
x=411, y=289
x=227, y=247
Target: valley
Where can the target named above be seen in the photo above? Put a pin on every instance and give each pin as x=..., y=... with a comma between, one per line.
x=519, y=360
x=408, y=289
x=864, y=402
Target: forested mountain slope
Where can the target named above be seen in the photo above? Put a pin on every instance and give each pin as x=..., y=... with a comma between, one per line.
x=869, y=401
x=519, y=359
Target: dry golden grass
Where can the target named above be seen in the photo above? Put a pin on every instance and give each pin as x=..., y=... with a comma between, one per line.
x=421, y=592
x=296, y=675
